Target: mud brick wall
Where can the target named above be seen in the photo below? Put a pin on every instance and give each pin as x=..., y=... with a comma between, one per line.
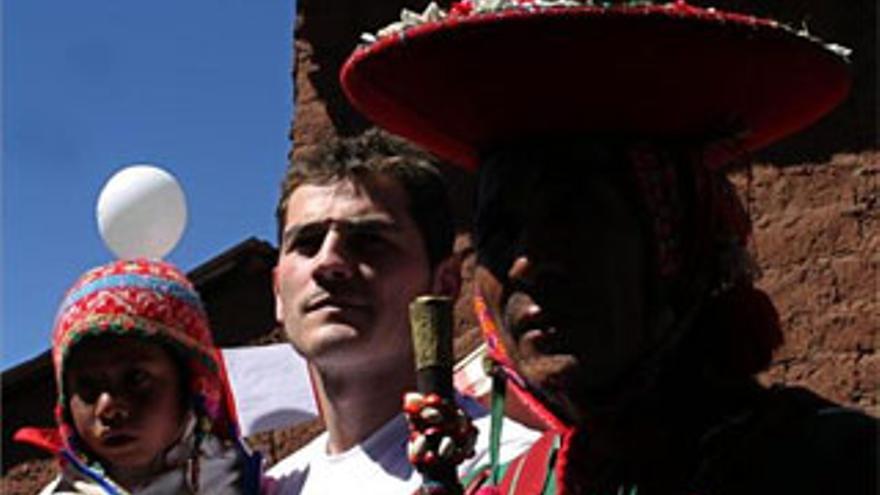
x=817, y=240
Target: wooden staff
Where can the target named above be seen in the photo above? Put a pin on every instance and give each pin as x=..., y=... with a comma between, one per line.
x=431, y=325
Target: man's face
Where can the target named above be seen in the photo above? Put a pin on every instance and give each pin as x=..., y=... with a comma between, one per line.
x=562, y=267
x=351, y=261
x=125, y=399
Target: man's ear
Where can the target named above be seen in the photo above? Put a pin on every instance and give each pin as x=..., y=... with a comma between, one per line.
x=276, y=289
x=447, y=277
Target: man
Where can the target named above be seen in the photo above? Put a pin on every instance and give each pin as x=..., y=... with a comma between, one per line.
x=613, y=283
x=642, y=333
x=365, y=227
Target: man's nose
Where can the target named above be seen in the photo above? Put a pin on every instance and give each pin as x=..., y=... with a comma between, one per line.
x=334, y=260
x=112, y=408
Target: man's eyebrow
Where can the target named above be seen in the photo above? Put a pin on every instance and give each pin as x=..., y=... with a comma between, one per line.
x=368, y=223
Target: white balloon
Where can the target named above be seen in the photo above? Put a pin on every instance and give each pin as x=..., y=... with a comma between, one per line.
x=141, y=212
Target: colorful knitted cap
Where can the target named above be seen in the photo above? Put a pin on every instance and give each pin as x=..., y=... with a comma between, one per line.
x=141, y=298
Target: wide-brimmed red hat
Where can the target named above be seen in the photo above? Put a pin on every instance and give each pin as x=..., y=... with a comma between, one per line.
x=462, y=83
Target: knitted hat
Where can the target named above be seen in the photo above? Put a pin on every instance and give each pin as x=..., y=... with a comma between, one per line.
x=149, y=299
x=491, y=72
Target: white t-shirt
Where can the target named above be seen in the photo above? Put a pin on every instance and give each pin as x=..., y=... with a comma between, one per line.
x=379, y=464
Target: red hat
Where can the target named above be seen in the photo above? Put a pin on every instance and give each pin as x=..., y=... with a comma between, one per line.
x=491, y=72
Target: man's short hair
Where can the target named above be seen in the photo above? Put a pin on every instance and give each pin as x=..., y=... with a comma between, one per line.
x=377, y=153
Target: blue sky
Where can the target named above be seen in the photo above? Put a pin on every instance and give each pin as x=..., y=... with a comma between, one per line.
x=199, y=87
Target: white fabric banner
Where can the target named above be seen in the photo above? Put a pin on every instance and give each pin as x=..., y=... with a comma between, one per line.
x=271, y=387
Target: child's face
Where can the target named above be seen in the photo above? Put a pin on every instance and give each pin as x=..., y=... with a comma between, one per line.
x=125, y=399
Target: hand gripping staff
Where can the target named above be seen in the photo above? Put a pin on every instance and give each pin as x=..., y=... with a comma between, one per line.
x=441, y=435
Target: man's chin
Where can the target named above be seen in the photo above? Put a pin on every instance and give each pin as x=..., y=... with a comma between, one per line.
x=577, y=393
x=337, y=344
x=577, y=407
x=311, y=339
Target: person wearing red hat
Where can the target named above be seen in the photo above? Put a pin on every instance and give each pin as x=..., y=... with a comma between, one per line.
x=614, y=285
x=143, y=405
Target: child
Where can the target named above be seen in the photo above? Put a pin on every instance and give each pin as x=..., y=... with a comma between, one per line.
x=141, y=397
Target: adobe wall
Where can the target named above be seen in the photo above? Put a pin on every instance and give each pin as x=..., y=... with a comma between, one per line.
x=817, y=239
